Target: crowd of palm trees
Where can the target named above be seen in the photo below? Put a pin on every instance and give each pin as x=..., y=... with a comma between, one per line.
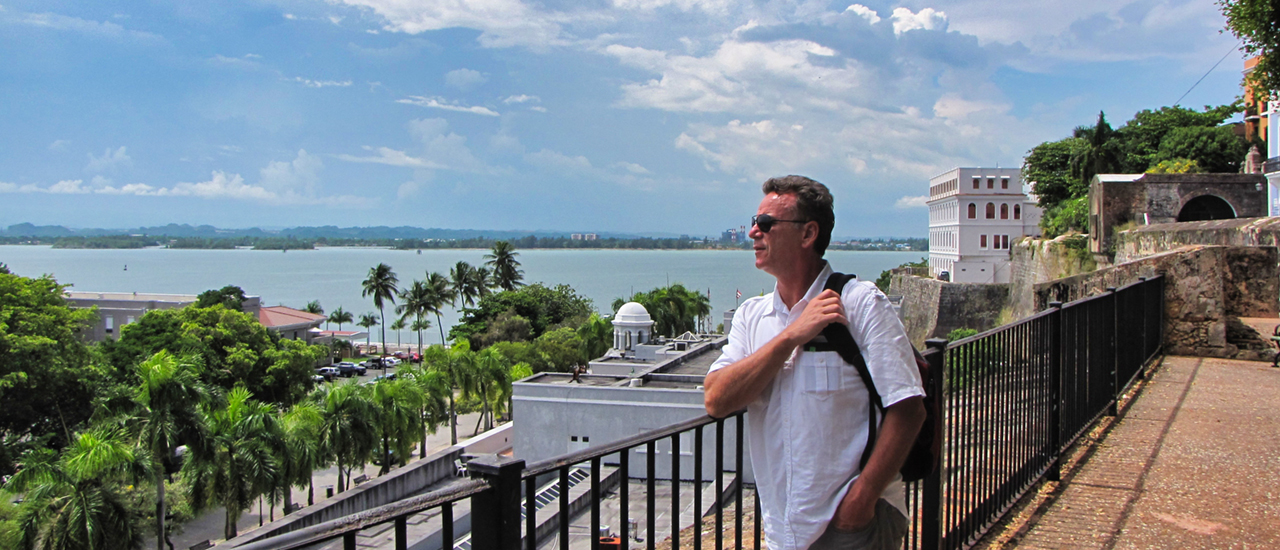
x=234, y=449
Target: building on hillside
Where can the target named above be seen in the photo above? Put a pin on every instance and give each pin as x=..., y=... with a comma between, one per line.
x=117, y=309
x=974, y=216
x=293, y=324
x=1120, y=200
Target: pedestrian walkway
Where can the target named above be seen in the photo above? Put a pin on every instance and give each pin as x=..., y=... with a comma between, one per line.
x=1193, y=463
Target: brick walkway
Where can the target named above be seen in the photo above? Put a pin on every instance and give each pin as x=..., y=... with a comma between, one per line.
x=1193, y=463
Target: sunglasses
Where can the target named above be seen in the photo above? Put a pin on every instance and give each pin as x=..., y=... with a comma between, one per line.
x=765, y=222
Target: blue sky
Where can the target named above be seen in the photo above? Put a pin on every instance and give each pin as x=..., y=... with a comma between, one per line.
x=645, y=116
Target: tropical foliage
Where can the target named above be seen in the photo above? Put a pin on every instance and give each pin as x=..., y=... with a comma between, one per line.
x=674, y=309
x=1255, y=23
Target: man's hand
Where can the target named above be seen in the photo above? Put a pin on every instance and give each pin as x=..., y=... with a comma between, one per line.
x=731, y=388
x=818, y=313
x=854, y=513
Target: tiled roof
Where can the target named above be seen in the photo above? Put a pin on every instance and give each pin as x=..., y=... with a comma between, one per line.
x=281, y=316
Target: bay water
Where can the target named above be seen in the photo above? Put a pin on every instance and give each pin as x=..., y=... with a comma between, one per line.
x=333, y=275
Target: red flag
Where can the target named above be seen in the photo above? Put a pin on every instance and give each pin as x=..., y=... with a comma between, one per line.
x=739, y=294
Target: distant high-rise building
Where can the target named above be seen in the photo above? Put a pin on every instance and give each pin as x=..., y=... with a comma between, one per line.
x=590, y=237
x=974, y=216
x=575, y=237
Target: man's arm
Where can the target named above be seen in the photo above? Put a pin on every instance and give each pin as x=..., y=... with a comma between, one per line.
x=731, y=388
x=902, y=422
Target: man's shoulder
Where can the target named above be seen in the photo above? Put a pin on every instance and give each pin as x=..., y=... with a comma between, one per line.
x=754, y=303
x=858, y=290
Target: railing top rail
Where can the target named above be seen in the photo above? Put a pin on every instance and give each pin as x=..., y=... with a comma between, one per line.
x=346, y=524
x=1001, y=328
x=1136, y=283
x=570, y=459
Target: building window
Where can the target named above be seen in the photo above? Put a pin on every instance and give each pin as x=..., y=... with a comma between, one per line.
x=1004, y=183
x=975, y=182
x=1004, y=242
x=1004, y=211
x=991, y=211
x=110, y=323
x=973, y=211
x=982, y=241
x=991, y=183
x=1017, y=211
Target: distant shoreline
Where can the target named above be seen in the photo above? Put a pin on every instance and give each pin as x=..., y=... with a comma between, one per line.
x=396, y=249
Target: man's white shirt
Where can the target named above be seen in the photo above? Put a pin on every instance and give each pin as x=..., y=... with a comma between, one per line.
x=808, y=428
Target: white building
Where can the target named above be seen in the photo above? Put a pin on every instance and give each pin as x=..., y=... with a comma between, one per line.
x=974, y=216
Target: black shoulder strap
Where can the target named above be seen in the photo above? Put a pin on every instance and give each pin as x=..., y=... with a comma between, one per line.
x=839, y=337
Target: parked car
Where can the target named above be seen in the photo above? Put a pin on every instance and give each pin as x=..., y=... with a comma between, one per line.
x=388, y=376
x=328, y=373
x=349, y=369
x=415, y=357
x=390, y=361
x=401, y=355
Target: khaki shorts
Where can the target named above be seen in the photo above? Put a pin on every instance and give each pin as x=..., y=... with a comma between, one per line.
x=887, y=530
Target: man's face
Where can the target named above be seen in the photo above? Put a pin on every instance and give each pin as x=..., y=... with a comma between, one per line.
x=782, y=247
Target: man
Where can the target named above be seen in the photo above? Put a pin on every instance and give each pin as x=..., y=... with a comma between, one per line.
x=807, y=411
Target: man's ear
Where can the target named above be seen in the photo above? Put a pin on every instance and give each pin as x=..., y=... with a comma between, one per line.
x=810, y=235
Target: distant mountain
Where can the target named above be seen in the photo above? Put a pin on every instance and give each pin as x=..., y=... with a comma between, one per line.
x=327, y=231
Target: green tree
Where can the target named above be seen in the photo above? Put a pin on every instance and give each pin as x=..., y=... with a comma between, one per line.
x=167, y=416
x=314, y=307
x=1215, y=149
x=561, y=349
x=398, y=325
x=397, y=406
x=72, y=501
x=417, y=327
x=1100, y=155
x=506, y=269
x=466, y=286
x=415, y=302
x=1176, y=166
x=301, y=454
x=434, y=405
x=543, y=307
x=381, y=285
x=347, y=432
x=230, y=296
x=1257, y=24
x=439, y=294
x=1048, y=167
x=492, y=383
x=368, y=321
x=1144, y=133
x=340, y=316
x=46, y=382
x=240, y=460
x=674, y=309
x=1069, y=215
x=597, y=336
x=456, y=365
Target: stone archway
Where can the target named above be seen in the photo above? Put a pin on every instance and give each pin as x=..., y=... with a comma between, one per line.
x=1206, y=207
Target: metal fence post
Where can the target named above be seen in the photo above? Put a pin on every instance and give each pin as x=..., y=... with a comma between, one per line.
x=495, y=514
x=1114, y=377
x=1055, y=392
x=931, y=500
x=1146, y=325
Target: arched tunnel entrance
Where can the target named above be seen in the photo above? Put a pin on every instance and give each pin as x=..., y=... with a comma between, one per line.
x=1206, y=207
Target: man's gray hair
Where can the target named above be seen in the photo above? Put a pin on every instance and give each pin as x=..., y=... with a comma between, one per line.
x=813, y=203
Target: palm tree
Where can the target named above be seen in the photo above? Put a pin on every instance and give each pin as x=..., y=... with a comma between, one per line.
x=491, y=380
x=506, y=270
x=455, y=364
x=597, y=336
x=167, y=415
x=1101, y=155
x=240, y=461
x=482, y=281
x=346, y=432
x=434, y=406
x=71, y=501
x=418, y=326
x=340, y=316
x=381, y=284
x=302, y=453
x=397, y=418
x=313, y=307
x=439, y=294
x=398, y=325
x=368, y=321
x=414, y=302
x=464, y=282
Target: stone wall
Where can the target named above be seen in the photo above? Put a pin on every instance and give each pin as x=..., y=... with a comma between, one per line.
x=1034, y=261
x=1207, y=290
x=932, y=308
x=1152, y=239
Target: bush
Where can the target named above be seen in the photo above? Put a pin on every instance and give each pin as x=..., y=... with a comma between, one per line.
x=1069, y=215
x=960, y=334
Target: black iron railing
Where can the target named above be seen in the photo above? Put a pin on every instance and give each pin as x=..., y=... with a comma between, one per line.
x=1014, y=400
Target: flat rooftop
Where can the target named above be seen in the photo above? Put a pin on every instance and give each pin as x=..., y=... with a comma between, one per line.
x=130, y=296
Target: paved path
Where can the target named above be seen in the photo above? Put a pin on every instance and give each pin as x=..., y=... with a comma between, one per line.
x=1194, y=463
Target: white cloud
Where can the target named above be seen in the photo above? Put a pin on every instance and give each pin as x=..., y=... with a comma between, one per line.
x=246, y=62
x=631, y=167
x=441, y=103
x=335, y=19
x=502, y=23
x=110, y=160
x=521, y=99
x=912, y=202
x=59, y=144
x=464, y=79
x=864, y=12
x=439, y=149
x=708, y=6
x=928, y=19
x=298, y=177
x=538, y=108
x=100, y=29
x=321, y=83
x=290, y=16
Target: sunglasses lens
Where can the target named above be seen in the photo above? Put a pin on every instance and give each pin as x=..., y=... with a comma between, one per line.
x=763, y=221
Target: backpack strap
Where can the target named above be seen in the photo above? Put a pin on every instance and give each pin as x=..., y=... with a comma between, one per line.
x=839, y=337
